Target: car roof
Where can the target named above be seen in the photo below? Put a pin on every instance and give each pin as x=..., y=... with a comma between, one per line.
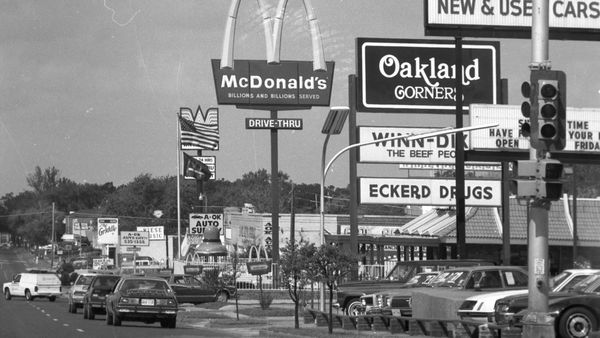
x=143, y=278
x=486, y=267
x=38, y=270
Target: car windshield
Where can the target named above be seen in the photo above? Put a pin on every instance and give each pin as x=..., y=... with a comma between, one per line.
x=450, y=279
x=561, y=277
x=144, y=284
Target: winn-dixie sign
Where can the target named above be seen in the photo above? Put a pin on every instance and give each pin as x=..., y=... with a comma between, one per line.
x=438, y=149
x=255, y=82
x=421, y=75
x=480, y=193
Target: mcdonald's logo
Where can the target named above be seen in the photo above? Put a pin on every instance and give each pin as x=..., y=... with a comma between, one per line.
x=272, y=82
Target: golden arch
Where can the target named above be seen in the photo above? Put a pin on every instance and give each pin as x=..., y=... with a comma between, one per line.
x=272, y=34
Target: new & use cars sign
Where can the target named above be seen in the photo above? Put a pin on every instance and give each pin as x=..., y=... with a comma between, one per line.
x=399, y=74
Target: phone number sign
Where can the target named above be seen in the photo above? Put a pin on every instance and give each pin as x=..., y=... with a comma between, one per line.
x=135, y=238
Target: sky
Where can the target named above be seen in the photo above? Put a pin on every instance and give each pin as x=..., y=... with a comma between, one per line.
x=93, y=87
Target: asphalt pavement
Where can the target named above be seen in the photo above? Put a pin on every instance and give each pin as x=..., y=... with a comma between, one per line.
x=227, y=319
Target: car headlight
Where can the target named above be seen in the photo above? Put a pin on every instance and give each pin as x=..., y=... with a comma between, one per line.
x=379, y=300
x=388, y=301
x=363, y=302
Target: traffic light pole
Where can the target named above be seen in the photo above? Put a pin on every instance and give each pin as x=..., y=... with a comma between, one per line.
x=537, y=323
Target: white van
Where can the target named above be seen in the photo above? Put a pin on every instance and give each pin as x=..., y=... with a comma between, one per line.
x=33, y=284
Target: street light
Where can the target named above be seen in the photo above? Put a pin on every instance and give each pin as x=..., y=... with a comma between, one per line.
x=409, y=137
x=334, y=123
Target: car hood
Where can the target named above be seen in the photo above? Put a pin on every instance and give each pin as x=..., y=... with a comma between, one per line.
x=485, y=302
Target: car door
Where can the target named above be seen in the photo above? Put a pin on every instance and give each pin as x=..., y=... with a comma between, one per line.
x=202, y=291
x=15, y=286
x=183, y=290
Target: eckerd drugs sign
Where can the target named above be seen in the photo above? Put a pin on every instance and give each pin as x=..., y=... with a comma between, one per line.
x=480, y=193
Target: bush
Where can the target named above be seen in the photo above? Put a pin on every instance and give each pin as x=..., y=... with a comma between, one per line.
x=265, y=300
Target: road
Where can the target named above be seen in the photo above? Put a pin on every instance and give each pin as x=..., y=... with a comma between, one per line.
x=42, y=318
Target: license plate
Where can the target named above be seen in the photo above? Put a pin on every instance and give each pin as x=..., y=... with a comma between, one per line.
x=395, y=312
x=149, y=302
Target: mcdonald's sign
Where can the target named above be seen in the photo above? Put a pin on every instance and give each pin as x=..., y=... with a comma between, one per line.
x=272, y=82
x=255, y=82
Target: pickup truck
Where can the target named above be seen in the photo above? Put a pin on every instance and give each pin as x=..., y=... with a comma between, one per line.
x=196, y=290
x=349, y=294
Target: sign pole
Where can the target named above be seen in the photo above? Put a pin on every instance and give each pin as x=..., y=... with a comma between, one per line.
x=537, y=323
x=461, y=251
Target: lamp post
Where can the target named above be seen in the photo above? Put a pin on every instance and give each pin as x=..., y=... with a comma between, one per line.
x=409, y=137
x=333, y=126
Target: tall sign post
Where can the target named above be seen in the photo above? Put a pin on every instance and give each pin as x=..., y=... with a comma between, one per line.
x=273, y=85
x=544, y=136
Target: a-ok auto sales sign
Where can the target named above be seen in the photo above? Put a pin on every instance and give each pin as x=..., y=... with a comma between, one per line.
x=481, y=193
x=399, y=74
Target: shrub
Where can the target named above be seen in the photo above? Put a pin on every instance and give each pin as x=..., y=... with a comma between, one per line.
x=265, y=300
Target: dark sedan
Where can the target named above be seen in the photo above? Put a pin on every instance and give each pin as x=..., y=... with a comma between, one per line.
x=189, y=289
x=143, y=299
x=94, y=300
x=576, y=312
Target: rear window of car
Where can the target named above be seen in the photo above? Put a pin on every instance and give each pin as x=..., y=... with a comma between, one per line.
x=106, y=281
x=84, y=280
x=145, y=284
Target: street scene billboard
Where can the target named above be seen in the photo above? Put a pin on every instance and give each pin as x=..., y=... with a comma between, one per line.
x=255, y=82
x=199, y=222
x=427, y=191
x=108, y=230
x=399, y=74
x=155, y=232
x=438, y=149
x=581, y=134
x=568, y=19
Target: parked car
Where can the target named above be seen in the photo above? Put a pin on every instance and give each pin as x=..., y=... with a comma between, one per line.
x=373, y=303
x=348, y=294
x=190, y=289
x=481, y=307
x=78, y=290
x=33, y=283
x=576, y=312
x=145, y=299
x=94, y=300
x=476, y=278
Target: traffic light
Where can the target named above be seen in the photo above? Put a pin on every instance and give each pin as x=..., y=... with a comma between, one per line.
x=550, y=182
x=548, y=110
x=524, y=183
x=537, y=179
x=526, y=109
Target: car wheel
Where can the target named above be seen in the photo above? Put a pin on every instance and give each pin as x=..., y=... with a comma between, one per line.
x=109, y=318
x=53, y=298
x=7, y=295
x=577, y=322
x=116, y=320
x=28, y=295
x=90, y=311
x=222, y=297
x=353, y=307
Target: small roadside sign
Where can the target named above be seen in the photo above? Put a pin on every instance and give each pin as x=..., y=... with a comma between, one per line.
x=133, y=248
x=135, y=238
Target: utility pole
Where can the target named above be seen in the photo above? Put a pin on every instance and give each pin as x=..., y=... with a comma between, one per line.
x=547, y=119
x=52, y=257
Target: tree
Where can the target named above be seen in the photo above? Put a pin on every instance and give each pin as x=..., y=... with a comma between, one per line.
x=294, y=261
x=331, y=265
